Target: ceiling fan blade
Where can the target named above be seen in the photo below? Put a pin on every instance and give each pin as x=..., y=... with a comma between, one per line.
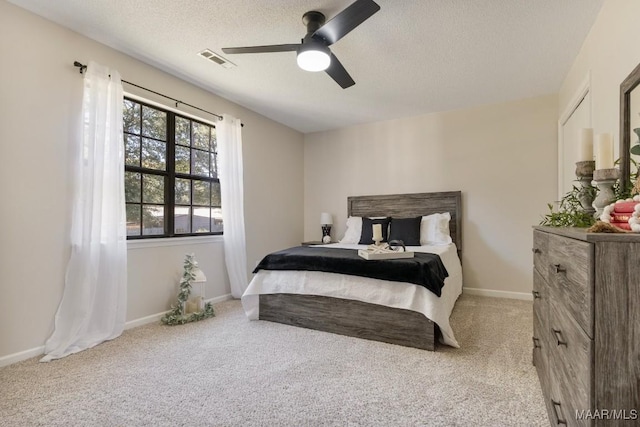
x=262, y=49
x=345, y=21
x=339, y=74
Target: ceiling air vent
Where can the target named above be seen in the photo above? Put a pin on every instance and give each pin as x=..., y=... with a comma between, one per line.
x=214, y=57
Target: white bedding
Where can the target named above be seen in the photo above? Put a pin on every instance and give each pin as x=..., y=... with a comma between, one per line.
x=383, y=292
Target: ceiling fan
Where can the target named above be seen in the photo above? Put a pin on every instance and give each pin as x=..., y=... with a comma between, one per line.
x=313, y=52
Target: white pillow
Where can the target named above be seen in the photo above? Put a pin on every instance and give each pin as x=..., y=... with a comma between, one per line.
x=354, y=230
x=434, y=229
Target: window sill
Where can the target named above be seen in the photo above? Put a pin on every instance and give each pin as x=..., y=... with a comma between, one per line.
x=173, y=241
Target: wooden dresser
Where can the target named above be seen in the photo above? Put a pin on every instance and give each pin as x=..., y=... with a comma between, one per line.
x=586, y=325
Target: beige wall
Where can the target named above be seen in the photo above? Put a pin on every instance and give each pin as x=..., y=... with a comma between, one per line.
x=610, y=52
x=40, y=103
x=502, y=157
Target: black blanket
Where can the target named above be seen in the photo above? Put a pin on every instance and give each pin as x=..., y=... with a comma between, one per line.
x=423, y=269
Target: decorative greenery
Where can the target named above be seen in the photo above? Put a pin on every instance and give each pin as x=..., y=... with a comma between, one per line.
x=628, y=192
x=177, y=315
x=569, y=213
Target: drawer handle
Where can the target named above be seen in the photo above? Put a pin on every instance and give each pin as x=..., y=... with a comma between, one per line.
x=535, y=250
x=536, y=342
x=536, y=294
x=559, y=337
x=555, y=412
x=559, y=269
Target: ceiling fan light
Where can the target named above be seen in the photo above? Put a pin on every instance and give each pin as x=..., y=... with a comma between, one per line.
x=314, y=58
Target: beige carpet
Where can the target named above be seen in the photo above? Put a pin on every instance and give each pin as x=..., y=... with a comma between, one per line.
x=227, y=371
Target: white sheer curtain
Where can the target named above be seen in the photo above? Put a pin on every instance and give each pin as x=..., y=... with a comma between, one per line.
x=229, y=133
x=93, y=305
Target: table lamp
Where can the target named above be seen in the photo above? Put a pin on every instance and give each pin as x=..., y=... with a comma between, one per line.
x=326, y=221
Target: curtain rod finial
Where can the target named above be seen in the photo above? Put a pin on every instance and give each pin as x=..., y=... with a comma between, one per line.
x=80, y=65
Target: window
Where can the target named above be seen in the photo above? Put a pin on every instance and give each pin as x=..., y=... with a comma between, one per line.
x=171, y=174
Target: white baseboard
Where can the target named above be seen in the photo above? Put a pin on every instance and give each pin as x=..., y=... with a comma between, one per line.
x=156, y=317
x=221, y=298
x=39, y=351
x=498, y=294
x=19, y=357
x=144, y=320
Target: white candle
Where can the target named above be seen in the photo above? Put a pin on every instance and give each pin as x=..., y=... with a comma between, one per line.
x=604, y=151
x=192, y=307
x=585, y=147
x=377, y=232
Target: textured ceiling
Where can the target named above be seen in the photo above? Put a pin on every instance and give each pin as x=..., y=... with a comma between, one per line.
x=410, y=58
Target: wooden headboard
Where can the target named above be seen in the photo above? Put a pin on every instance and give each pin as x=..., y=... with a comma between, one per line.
x=412, y=205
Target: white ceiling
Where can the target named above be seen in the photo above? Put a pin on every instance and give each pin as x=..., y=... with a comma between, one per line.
x=410, y=58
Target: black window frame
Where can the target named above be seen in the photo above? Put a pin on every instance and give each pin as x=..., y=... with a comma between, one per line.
x=170, y=175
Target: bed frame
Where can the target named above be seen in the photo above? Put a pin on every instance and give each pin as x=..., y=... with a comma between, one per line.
x=366, y=320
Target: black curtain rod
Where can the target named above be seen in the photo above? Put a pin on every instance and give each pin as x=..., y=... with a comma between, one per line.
x=83, y=67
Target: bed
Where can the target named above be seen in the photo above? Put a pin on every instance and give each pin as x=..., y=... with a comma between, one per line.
x=380, y=310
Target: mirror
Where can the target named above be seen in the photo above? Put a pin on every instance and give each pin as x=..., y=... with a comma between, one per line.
x=629, y=126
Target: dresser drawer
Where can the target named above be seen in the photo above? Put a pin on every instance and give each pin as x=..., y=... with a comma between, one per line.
x=570, y=272
x=540, y=349
x=541, y=253
x=540, y=298
x=560, y=405
x=570, y=353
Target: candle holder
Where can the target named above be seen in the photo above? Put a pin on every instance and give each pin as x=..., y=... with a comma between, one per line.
x=586, y=194
x=604, y=179
x=376, y=241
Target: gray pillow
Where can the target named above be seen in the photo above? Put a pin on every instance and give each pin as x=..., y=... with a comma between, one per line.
x=405, y=229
